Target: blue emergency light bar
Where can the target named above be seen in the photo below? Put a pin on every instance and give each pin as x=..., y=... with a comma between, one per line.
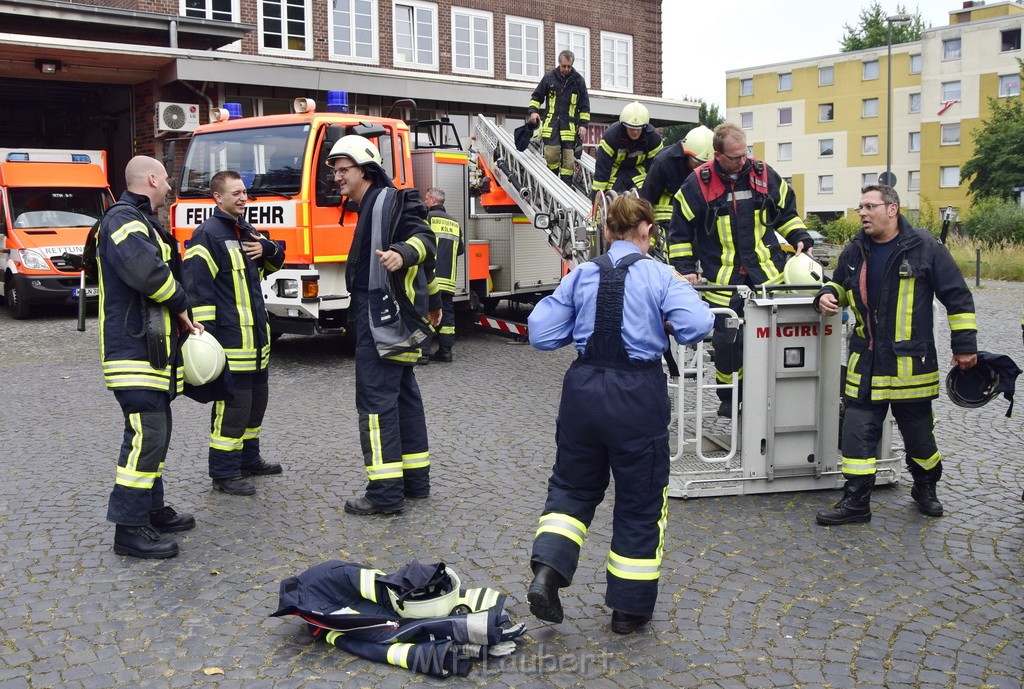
x=23, y=157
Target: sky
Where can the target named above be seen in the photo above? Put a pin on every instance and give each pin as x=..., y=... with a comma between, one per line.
x=702, y=39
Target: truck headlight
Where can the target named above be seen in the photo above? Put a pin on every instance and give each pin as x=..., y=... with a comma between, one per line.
x=33, y=260
x=288, y=289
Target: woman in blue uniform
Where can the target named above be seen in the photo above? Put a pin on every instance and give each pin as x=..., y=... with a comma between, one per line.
x=613, y=418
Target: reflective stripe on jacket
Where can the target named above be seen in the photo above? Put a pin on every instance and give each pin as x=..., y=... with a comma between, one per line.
x=622, y=158
x=449, y=246
x=565, y=102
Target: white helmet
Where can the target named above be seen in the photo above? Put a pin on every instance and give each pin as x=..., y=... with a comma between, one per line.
x=635, y=115
x=439, y=604
x=698, y=143
x=802, y=270
x=358, y=149
x=204, y=358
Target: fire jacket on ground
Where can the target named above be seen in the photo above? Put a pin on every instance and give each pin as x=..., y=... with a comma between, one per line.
x=140, y=297
x=621, y=162
x=562, y=103
x=346, y=606
x=614, y=309
x=449, y=247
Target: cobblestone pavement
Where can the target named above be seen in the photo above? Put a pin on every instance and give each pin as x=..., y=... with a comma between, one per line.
x=753, y=593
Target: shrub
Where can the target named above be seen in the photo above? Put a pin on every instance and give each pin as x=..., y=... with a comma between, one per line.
x=841, y=230
x=991, y=221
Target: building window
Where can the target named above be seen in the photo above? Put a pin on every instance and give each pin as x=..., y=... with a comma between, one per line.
x=869, y=145
x=825, y=184
x=353, y=30
x=915, y=102
x=1010, y=40
x=868, y=178
x=914, y=142
x=416, y=34
x=576, y=39
x=1009, y=85
x=472, y=32
x=786, y=81
x=750, y=151
x=951, y=49
x=915, y=64
x=616, y=62
x=869, y=107
x=826, y=112
x=525, y=48
x=826, y=76
x=869, y=71
x=785, y=116
x=950, y=134
x=949, y=177
x=826, y=148
x=746, y=120
x=746, y=87
x=225, y=10
x=950, y=90
x=914, y=180
x=786, y=151
x=285, y=27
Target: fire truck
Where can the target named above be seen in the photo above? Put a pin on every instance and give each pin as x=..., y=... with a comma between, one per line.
x=512, y=210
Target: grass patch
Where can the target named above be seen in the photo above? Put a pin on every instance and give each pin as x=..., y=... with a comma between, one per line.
x=1002, y=261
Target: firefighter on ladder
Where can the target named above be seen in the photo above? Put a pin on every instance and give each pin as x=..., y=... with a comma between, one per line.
x=625, y=151
x=449, y=248
x=562, y=95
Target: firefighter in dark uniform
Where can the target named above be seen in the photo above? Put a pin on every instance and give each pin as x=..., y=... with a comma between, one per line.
x=614, y=310
x=729, y=211
x=395, y=308
x=143, y=310
x=889, y=275
x=626, y=149
x=562, y=96
x=225, y=261
x=449, y=247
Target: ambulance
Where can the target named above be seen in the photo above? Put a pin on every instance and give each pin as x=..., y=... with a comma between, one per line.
x=49, y=199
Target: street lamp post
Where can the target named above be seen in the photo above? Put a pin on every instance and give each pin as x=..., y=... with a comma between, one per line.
x=894, y=19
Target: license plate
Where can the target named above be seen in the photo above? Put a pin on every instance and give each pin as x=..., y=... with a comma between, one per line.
x=89, y=292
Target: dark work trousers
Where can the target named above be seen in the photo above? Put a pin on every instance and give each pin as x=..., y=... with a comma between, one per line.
x=728, y=355
x=392, y=426
x=862, y=429
x=139, y=486
x=446, y=333
x=235, y=425
x=613, y=417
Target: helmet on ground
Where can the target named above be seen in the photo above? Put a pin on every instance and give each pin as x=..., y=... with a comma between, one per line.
x=358, y=149
x=203, y=357
x=973, y=387
x=434, y=600
x=801, y=269
x=698, y=143
x=634, y=115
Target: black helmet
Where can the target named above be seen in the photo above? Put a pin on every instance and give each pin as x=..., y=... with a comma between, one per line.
x=974, y=387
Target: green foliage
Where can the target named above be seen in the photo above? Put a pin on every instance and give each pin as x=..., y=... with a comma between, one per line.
x=707, y=115
x=998, y=262
x=813, y=222
x=841, y=230
x=873, y=30
x=991, y=222
x=927, y=217
x=997, y=165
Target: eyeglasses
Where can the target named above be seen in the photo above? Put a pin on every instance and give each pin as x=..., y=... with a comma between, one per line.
x=870, y=206
x=342, y=169
x=735, y=159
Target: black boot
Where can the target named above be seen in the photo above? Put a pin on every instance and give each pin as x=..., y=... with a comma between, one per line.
x=443, y=354
x=854, y=506
x=923, y=493
x=143, y=541
x=543, y=594
x=168, y=520
x=627, y=623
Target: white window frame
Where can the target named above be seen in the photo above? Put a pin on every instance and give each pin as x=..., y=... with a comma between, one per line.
x=914, y=99
x=950, y=96
x=746, y=120
x=914, y=142
x=747, y=87
x=576, y=39
x=786, y=150
x=488, y=50
x=826, y=184
x=622, y=44
x=207, y=11
x=832, y=111
x=788, y=110
x=952, y=129
x=868, y=178
x=914, y=180
x=1009, y=91
x=334, y=31
x=527, y=70
x=785, y=81
x=866, y=148
x=261, y=19
x=944, y=174
x=869, y=70
x=830, y=70
x=416, y=6
x=948, y=54
x=864, y=107
x=916, y=63
x=831, y=146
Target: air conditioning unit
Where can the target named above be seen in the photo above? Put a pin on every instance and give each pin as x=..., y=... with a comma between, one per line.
x=177, y=117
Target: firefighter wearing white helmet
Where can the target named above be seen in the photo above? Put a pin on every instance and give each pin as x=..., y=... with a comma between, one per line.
x=670, y=169
x=626, y=149
x=396, y=305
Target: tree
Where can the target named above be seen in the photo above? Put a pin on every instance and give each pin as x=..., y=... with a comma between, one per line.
x=873, y=30
x=997, y=165
x=707, y=115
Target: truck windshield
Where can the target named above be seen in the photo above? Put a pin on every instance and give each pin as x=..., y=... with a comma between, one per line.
x=47, y=207
x=269, y=159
